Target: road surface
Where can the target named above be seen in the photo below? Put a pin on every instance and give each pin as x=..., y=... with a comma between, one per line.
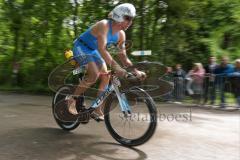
x=29, y=132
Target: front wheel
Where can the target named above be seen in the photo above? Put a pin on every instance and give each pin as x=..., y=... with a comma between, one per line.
x=137, y=127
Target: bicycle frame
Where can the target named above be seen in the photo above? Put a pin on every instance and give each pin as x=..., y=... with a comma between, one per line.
x=113, y=87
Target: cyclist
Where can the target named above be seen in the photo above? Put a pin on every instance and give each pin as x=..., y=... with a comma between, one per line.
x=92, y=45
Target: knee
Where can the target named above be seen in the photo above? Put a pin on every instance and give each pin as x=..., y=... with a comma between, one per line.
x=91, y=79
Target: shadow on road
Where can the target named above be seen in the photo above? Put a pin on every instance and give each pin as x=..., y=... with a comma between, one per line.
x=52, y=143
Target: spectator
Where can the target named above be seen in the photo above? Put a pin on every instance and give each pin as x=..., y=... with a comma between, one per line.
x=221, y=73
x=209, y=79
x=179, y=77
x=169, y=74
x=195, y=79
x=235, y=81
x=169, y=77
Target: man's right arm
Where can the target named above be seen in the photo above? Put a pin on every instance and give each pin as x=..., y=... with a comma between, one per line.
x=102, y=42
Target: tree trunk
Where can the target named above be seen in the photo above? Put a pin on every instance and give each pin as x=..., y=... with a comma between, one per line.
x=15, y=64
x=75, y=15
x=142, y=25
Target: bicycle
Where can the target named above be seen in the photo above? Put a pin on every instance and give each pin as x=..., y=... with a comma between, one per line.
x=122, y=109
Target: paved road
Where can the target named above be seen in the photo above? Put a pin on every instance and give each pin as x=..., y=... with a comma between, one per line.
x=28, y=132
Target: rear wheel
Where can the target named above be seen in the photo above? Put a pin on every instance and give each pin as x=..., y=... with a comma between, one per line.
x=59, y=109
x=135, y=128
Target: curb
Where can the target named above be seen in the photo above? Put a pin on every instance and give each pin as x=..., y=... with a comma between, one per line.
x=208, y=107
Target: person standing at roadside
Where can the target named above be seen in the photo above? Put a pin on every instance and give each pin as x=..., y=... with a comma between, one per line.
x=208, y=84
x=221, y=73
x=235, y=81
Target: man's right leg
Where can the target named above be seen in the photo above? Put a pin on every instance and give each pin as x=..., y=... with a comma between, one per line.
x=92, y=75
x=206, y=89
x=213, y=92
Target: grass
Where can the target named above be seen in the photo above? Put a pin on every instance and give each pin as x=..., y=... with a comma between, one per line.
x=40, y=89
x=229, y=99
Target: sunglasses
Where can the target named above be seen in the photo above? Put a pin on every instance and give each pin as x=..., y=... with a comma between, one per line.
x=128, y=18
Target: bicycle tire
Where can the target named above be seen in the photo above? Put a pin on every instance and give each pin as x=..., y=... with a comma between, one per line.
x=60, y=95
x=153, y=119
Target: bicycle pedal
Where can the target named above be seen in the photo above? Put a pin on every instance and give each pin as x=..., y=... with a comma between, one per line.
x=83, y=117
x=96, y=117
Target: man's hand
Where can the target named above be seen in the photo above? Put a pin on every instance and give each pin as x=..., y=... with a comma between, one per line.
x=119, y=71
x=139, y=74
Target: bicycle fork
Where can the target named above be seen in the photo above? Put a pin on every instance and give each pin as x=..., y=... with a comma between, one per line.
x=123, y=102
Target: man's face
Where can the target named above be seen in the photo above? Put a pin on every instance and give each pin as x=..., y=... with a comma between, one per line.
x=126, y=23
x=169, y=69
x=178, y=66
x=212, y=60
x=224, y=60
x=238, y=64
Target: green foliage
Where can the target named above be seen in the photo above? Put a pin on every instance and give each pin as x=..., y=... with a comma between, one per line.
x=34, y=34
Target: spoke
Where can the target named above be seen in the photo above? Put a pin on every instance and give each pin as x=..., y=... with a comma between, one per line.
x=130, y=127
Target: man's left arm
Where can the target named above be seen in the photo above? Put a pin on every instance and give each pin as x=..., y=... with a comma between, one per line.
x=126, y=62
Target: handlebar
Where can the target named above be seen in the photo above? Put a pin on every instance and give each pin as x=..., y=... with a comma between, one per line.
x=131, y=77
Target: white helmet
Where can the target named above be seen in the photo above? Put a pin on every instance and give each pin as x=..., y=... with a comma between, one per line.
x=125, y=9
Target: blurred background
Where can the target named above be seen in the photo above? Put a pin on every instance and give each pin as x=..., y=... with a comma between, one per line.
x=35, y=34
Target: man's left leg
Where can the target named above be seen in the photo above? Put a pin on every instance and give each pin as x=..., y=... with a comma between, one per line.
x=104, y=81
x=222, y=92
